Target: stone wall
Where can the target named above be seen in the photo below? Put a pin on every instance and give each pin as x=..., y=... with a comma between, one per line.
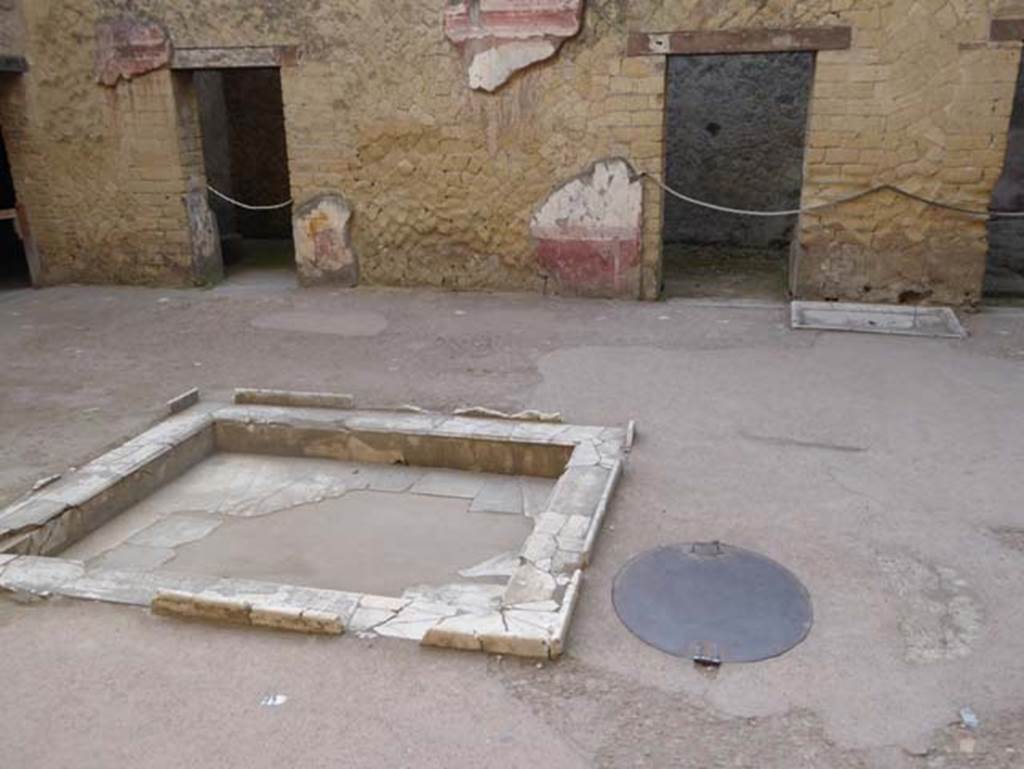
x=921, y=101
x=442, y=180
x=1005, y=269
x=11, y=29
x=735, y=135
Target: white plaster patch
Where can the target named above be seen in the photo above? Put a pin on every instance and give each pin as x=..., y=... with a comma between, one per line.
x=491, y=68
x=605, y=202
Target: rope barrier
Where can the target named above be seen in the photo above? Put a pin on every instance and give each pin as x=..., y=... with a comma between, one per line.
x=833, y=203
x=813, y=209
x=246, y=206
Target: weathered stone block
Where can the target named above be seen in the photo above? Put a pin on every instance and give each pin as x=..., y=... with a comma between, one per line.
x=260, y=397
x=529, y=584
x=296, y=620
x=204, y=236
x=323, y=244
x=186, y=400
x=463, y=631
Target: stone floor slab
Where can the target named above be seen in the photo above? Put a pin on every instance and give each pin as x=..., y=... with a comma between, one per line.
x=449, y=483
x=176, y=530
x=499, y=495
x=133, y=557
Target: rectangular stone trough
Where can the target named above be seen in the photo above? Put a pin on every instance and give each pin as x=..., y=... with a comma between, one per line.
x=528, y=615
x=905, y=320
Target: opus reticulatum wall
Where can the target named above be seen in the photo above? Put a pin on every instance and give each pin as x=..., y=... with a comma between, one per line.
x=445, y=147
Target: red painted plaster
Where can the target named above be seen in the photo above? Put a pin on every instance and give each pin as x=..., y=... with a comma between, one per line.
x=127, y=47
x=595, y=266
x=512, y=19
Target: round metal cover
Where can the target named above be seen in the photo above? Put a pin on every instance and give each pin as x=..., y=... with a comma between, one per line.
x=712, y=603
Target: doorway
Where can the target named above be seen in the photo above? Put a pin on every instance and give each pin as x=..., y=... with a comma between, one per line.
x=735, y=136
x=1004, y=268
x=14, y=269
x=245, y=154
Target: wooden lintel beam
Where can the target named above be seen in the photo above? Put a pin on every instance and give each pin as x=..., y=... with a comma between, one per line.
x=234, y=57
x=739, y=41
x=16, y=64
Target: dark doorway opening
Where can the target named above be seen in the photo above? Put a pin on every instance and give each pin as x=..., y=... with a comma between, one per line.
x=245, y=154
x=735, y=136
x=1004, y=269
x=14, y=270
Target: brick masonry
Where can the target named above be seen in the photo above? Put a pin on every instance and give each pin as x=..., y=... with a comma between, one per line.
x=442, y=180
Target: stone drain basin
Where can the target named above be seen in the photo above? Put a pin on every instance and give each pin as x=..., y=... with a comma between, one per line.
x=468, y=532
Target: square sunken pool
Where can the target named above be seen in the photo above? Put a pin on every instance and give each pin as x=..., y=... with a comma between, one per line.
x=463, y=531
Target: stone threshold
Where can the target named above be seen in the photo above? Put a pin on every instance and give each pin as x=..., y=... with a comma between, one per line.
x=528, y=616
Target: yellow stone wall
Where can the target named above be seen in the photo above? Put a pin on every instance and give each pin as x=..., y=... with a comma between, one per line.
x=921, y=101
x=11, y=30
x=443, y=180
x=100, y=170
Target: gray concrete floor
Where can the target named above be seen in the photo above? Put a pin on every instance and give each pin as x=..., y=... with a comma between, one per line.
x=884, y=471
x=347, y=526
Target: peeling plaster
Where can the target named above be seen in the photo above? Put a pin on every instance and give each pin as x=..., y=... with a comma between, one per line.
x=500, y=37
x=128, y=46
x=588, y=232
x=323, y=243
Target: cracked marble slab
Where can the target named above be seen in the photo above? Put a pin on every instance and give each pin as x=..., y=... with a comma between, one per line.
x=528, y=614
x=132, y=557
x=499, y=495
x=449, y=483
x=503, y=565
x=175, y=530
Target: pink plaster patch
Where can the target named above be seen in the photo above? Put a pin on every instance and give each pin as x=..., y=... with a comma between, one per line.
x=127, y=47
x=500, y=37
x=596, y=267
x=511, y=19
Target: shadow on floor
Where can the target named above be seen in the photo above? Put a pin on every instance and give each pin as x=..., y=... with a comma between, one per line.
x=242, y=254
x=717, y=272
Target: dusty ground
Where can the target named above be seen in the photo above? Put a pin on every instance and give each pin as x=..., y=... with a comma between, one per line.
x=885, y=472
